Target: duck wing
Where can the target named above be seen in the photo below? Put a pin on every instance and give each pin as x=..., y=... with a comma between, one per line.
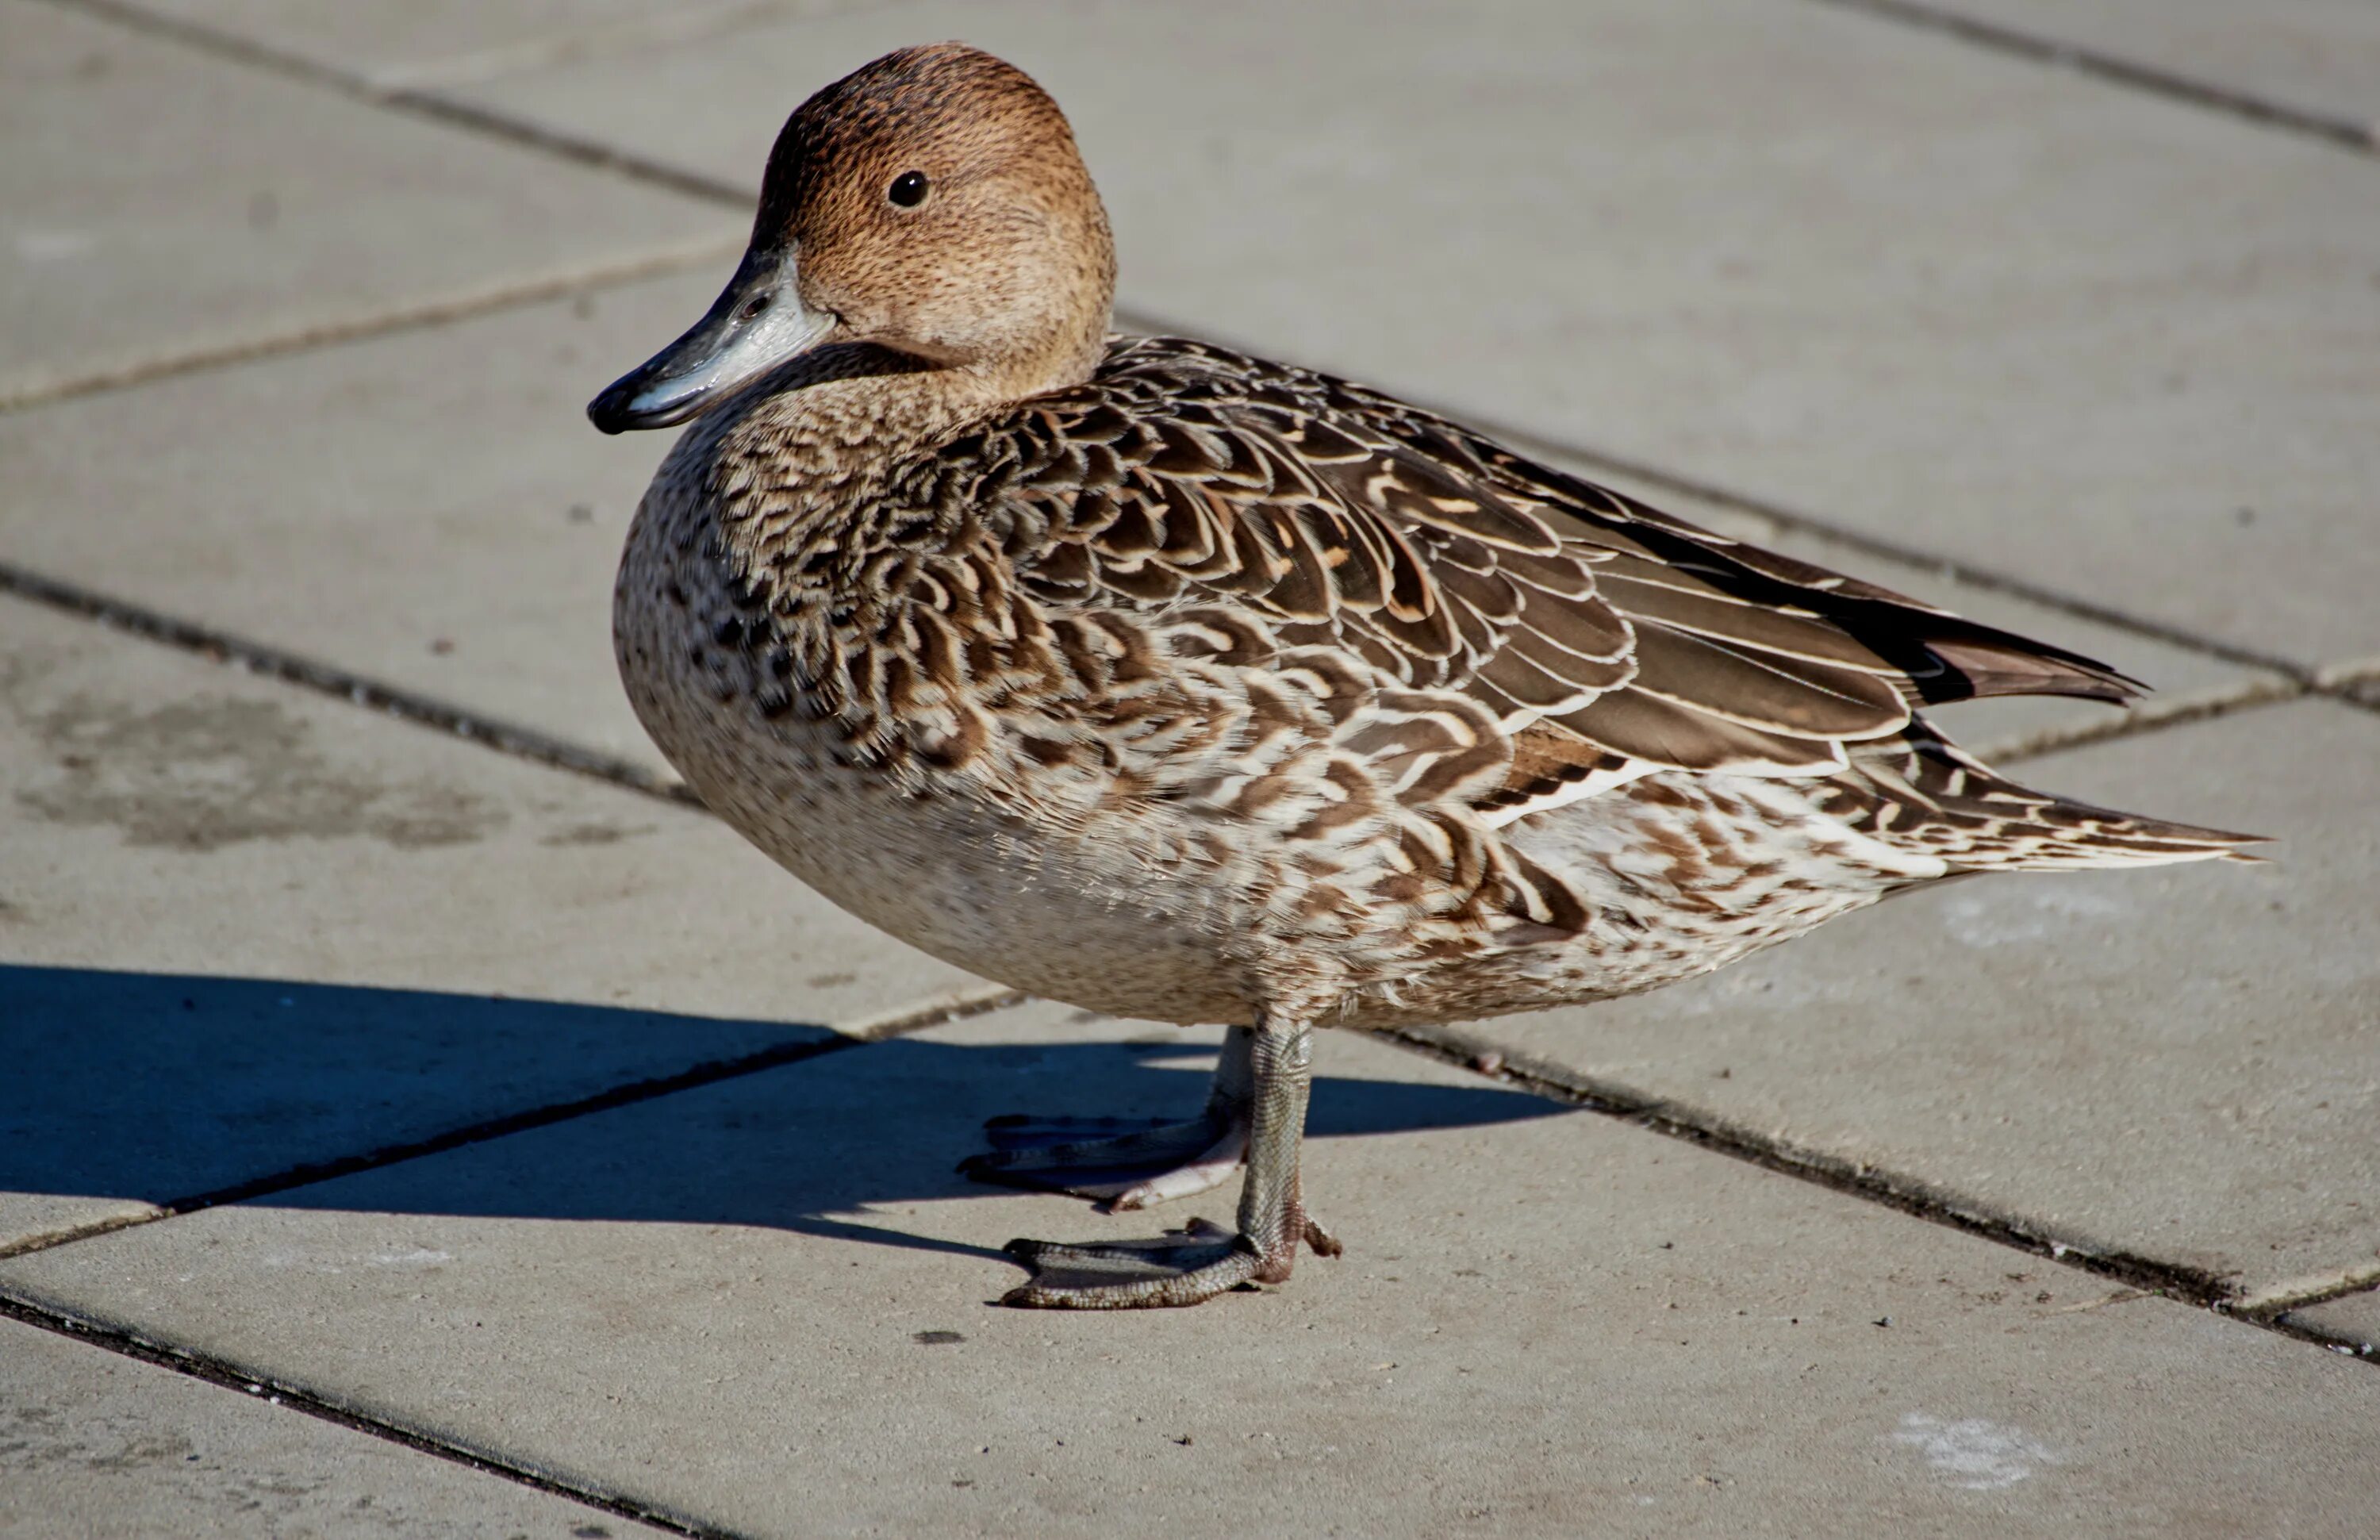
x=1606, y=639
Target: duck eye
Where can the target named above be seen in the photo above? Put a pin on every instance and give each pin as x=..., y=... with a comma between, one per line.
x=909, y=190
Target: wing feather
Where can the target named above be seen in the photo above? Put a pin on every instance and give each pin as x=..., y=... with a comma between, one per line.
x=1602, y=637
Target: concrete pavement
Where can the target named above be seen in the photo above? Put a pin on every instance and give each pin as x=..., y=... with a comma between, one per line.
x=386, y=1036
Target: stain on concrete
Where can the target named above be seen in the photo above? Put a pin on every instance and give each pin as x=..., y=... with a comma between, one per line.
x=213, y=771
x=1973, y=1453
x=594, y=834
x=34, y=1437
x=53, y=1462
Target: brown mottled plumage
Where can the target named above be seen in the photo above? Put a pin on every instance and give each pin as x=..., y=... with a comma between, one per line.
x=1177, y=684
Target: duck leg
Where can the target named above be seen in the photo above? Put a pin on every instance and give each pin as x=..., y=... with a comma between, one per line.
x=1128, y=1162
x=1203, y=1260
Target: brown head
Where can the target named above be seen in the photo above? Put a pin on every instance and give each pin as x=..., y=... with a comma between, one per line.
x=932, y=204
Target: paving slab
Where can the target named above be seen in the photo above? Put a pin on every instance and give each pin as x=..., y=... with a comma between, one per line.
x=429, y=507
x=2180, y=1064
x=2353, y=1316
x=162, y=204
x=243, y=929
x=2097, y=339
x=481, y=574
x=762, y=1305
x=418, y=43
x=2318, y=56
x=94, y=1446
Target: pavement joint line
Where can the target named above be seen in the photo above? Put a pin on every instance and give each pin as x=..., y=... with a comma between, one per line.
x=422, y=316
x=1887, y=1189
x=2364, y=698
x=595, y=155
x=2148, y=716
x=2307, y=1292
x=233, y=48
x=260, y=1386
x=678, y=24
x=271, y=663
x=958, y=1006
x=2356, y=685
x=2322, y=128
x=68, y=1234
x=712, y=1072
x=2341, y=675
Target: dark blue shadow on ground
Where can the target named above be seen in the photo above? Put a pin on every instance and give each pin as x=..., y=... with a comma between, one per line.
x=164, y=1087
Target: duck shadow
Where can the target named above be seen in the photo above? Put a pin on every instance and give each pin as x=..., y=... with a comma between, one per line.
x=186, y=1091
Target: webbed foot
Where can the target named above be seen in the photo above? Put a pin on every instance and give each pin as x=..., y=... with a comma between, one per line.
x=1195, y=1264
x=1183, y=1266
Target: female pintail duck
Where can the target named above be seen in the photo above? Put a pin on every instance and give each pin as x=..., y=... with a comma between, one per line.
x=1171, y=683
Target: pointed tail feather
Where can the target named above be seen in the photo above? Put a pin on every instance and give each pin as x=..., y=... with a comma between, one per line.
x=1923, y=792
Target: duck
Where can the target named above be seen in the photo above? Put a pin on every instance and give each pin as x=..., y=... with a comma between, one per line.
x=1168, y=681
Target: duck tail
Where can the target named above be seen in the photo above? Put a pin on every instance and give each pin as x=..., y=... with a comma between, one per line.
x=1921, y=791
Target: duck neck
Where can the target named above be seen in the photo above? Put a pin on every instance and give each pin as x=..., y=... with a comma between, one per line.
x=805, y=467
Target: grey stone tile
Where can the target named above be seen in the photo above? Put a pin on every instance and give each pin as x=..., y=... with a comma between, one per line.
x=95, y=1447
x=2319, y=57
x=247, y=929
x=2176, y=1062
x=1928, y=292
x=31, y=1219
x=419, y=43
x=762, y=1305
x=429, y=508
x=2353, y=1316
x=162, y=204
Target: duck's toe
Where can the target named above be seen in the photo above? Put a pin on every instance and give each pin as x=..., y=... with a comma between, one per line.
x=1188, y=1266
x=1183, y=1266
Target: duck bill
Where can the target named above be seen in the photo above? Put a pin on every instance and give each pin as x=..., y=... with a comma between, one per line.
x=756, y=322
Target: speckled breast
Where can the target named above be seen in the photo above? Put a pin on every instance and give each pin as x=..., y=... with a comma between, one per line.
x=1069, y=917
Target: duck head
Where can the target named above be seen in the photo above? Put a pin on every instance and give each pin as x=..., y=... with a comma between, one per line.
x=932, y=206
